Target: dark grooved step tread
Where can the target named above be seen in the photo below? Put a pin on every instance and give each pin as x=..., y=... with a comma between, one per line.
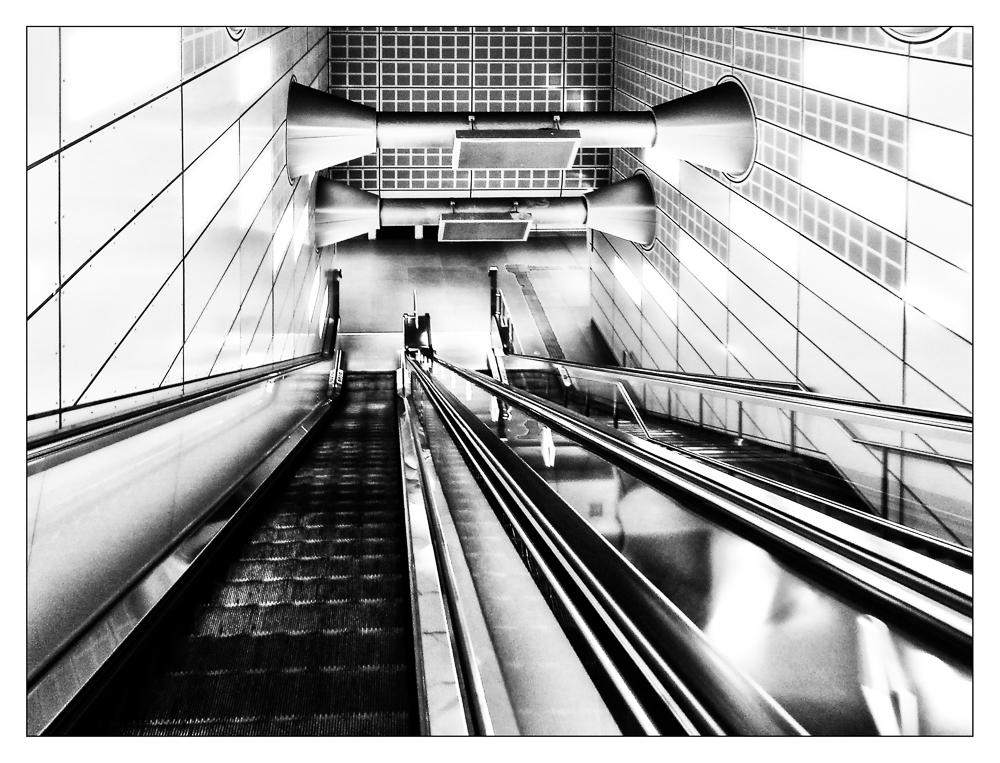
x=307, y=628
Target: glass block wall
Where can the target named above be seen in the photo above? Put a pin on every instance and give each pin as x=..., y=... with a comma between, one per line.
x=844, y=261
x=166, y=244
x=472, y=69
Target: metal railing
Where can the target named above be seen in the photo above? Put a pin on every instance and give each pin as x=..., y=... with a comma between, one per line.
x=869, y=444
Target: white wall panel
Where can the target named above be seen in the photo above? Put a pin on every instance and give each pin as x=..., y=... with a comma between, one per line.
x=872, y=192
x=773, y=284
x=939, y=290
x=920, y=393
x=142, y=360
x=702, y=302
x=941, y=93
x=876, y=310
x=773, y=331
x=43, y=92
x=660, y=354
x=941, y=224
x=256, y=129
x=766, y=234
x=207, y=337
x=43, y=231
x=756, y=357
x=941, y=159
x=857, y=353
x=214, y=101
x=131, y=268
x=694, y=332
x=865, y=76
x=210, y=257
x=209, y=182
x=107, y=71
x=941, y=356
x=703, y=266
x=601, y=295
x=109, y=177
x=629, y=254
x=256, y=289
x=659, y=322
x=705, y=191
x=260, y=347
x=820, y=374
x=43, y=359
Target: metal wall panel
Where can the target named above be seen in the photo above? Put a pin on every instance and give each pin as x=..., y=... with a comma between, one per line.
x=43, y=92
x=43, y=359
x=256, y=129
x=111, y=176
x=860, y=355
x=108, y=71
x=101, y=304
x=773, y=331
x=868, y=305
x=43, y=231
x=144, y=356
x=941, y=356
x=209, y=182
x=207, y=337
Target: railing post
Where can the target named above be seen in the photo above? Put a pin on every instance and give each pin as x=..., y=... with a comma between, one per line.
x=701, y=410
x=794, y=428
x=885, y=483
x=494, y=307
x=614, y=407
x=739, y=419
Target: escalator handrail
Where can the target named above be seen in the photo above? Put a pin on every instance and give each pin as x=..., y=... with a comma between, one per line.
x=105, y=430
x=939, y=596
x=903, y=418
x=663, y=632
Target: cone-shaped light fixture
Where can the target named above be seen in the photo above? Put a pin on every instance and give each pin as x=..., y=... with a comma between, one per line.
x=714, y=127
x=626, y=209
x=324, y=130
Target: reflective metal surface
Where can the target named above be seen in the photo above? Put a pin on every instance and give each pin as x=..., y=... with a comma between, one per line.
x=343, y=212
x=98, y=521
x=714, y=127
x=324, y=130
x=802, y=642
x=515, y=149
x=55, y=689
x=626, y=209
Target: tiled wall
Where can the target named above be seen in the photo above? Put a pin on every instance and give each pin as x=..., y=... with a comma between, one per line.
x=472, y=69
x=845, y=259
x=166, y=243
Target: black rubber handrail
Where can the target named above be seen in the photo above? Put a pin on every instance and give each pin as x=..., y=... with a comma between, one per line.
x=695, y=675
x=911, y=597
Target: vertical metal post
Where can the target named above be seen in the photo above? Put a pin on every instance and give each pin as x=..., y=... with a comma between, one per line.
x=701, y=410
x=494, y=307
x=739, y=419
x=793, y=442
x=614, y=407
x=670, y=401
x=885, y=483
x=902, y=503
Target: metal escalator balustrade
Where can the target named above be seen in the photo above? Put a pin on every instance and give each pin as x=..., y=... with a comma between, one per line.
x=802, y=624
x=846, y=453
x=606, y=608
x=306, y=628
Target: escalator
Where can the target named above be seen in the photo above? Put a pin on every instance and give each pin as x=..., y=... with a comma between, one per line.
x=587, y=589
x=305, y=626
x=845, y=633
x=796, y=470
